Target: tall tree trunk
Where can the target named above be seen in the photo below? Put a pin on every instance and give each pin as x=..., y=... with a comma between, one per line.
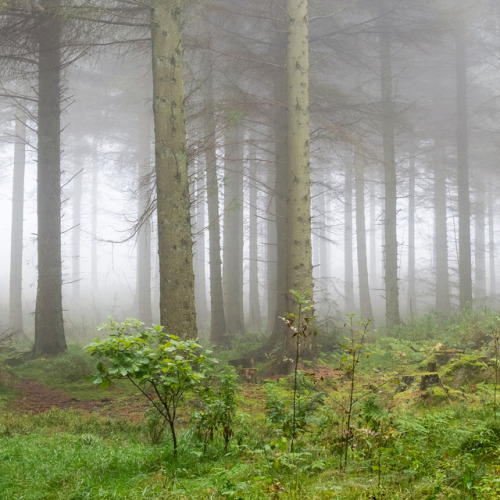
x=299, y=255
x=76, y=227
x=479, y=239
x=390, y=219
x=324, y=254
x=200, y=289
x=412, y=294
x=233, y=225
x=175, y=245
x=464, y=238
x=143, y=270
x=94, y=279
x=271, y=247
x=364, y=285
x=49, y=326
x=254, y=319
x=373, y=233
x=348, y=248
x=217, y=317
x=443, y=304
x=491, y=243
x=280, y=280
x=16, y=241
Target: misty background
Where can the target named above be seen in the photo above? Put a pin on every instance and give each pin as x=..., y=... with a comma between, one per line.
x=107, y=163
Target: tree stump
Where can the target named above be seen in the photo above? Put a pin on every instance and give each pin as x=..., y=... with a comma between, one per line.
x=431, y=366
x=428, y=380
x=405, y=383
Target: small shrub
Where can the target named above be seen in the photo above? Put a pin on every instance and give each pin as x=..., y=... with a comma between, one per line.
x=282, y=417
x=163, y=367
x=218, y=407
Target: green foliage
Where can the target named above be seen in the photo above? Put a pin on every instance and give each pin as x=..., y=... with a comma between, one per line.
x=281, y=416
x=68, y=367
x=218, y=406
x=162, y=366
x=352, y=352
x=300, y=325
x=397, y=448
x=471, y=329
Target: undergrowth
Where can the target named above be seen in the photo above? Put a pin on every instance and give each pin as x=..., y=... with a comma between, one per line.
x=408, y=443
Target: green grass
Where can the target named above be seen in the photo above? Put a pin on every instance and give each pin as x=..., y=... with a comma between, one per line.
x=439, y=443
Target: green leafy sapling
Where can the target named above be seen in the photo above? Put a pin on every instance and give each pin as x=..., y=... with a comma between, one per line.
x=352, y=352
x=163, y=367
x=300, y=325
x=496, y=342
x=218, y=407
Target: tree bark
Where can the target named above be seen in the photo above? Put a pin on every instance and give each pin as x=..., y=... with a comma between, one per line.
x=280, y=281
x=16, y=241
x=217, y=317
x=390, y=218
x=76, y=230
x=491, y=244
x=299, y=255
x=143, y=270
x=348, y=248
x=94, y=280
x=373, y=234
x=175, y=245
x=412, y=294
x=464, y=238
x=49, y=326
x=233, y=225
x=443, y=304
x=479, y=240
x=254, y=319
x=199, y=247
x=364, y=285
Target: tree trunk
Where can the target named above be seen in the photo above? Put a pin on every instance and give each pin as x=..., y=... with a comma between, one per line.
x=175, y=245
x=94, y=280
x=443, y=304
x=217, y=318
x=390, y=219
x=254, y=319
x=373, y=234
x=143, y=270
x=49, y=326
x=479, y=240
x=323, y=241
x=412, y=294
x=348, y=248
x=464, y=238
x=491, y=244
x=271, y=246
x=200, y=288
x=16, y=241
x=364, y=286
x=299, y=255
x=280, y=280
x=233, y=225
x=76, y=227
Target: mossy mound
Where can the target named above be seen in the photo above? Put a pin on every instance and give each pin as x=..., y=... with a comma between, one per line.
x=435, y=394
x=468, y=369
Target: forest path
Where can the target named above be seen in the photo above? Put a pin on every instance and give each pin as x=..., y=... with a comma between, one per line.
x=36, y=397
x=32, y=396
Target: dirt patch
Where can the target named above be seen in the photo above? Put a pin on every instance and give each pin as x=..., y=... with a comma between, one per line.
x=35, y=397
x=321, y=372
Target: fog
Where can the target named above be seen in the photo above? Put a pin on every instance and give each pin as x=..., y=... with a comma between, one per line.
x=108, y=156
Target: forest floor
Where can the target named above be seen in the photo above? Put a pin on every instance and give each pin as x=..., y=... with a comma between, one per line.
x=62, y=437
x=33, y=396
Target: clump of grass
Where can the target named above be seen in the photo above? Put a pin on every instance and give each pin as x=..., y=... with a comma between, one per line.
x=66, y=368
